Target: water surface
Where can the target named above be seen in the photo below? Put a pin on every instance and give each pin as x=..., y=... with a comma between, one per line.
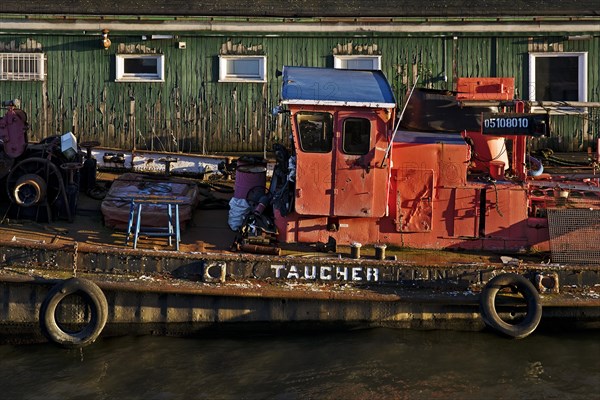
x=366, y=364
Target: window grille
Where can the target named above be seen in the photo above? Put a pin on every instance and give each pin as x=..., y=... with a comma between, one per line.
x=22, y=66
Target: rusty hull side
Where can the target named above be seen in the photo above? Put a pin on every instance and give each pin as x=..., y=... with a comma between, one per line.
x=170, y=307
x=442, y=269
x=160, y=292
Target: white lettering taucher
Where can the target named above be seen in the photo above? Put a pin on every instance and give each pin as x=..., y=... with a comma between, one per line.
x=326, y=273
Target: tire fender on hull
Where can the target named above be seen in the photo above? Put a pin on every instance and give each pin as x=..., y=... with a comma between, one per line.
x=524, y=287
x=93, y=297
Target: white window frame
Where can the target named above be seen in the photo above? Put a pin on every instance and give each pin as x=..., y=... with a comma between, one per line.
x=37, y=75
x=341, y=61
x=226, y=61
x=582, y=85
x=122, y=76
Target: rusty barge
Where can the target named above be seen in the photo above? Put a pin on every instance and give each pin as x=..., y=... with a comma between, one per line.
x=417, y=220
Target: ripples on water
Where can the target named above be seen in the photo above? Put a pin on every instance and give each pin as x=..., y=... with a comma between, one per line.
x=368, y=364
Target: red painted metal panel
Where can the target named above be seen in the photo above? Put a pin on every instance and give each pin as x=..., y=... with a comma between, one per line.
x=312, y=229
x=314, y=184
x=414, y=193
x=485, y=88
x=459, y=216
x=506, y=212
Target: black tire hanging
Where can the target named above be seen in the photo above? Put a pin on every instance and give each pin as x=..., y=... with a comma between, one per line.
x=94, y=298
x=490, y=315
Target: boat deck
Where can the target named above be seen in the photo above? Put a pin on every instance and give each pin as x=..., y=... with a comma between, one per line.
x=206, y=231
x=209, y=232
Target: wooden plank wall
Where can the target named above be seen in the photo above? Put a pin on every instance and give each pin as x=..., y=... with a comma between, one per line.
x=193, y=112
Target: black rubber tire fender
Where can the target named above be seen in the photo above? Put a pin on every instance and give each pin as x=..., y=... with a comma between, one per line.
x=95, y=299
x=526, y=289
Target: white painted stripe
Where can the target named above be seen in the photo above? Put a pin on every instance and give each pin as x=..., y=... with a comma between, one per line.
x=339, y=103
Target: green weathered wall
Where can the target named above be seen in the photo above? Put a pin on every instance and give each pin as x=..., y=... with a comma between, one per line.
x=192, y=112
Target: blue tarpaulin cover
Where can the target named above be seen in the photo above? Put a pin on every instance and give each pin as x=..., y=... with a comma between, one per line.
x=336, y=87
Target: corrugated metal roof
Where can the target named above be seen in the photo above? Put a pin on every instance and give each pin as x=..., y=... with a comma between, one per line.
x=336, y=87
x=308, y=8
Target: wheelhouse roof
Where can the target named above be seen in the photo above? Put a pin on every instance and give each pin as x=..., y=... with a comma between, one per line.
x=336, y=87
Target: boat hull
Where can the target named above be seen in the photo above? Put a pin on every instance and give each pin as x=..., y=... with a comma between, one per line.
x=159, y=292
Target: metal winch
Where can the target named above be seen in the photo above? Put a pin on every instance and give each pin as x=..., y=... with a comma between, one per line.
x=42, y=179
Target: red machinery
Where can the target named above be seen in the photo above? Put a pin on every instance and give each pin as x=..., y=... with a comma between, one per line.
x=41, y=179
x=431, y=192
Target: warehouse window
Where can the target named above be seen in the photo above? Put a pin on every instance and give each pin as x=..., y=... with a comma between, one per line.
x=558, y=77
x=22, y=66
x=357, y=62
x=140, y=68
x=242, y=69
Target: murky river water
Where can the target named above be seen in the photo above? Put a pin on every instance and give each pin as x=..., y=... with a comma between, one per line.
x=367, y=364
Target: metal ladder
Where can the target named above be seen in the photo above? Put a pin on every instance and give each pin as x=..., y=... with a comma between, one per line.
x=172, y=230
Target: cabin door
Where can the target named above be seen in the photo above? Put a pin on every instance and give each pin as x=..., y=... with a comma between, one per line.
x=359, y=182
x=314, y=162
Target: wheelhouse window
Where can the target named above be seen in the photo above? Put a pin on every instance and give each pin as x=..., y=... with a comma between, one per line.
x=242, y=69
x=356, y=137
x=315, y=131
x=22, y=66
x=357, y=62
x=140, y=68
x=558, y=77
